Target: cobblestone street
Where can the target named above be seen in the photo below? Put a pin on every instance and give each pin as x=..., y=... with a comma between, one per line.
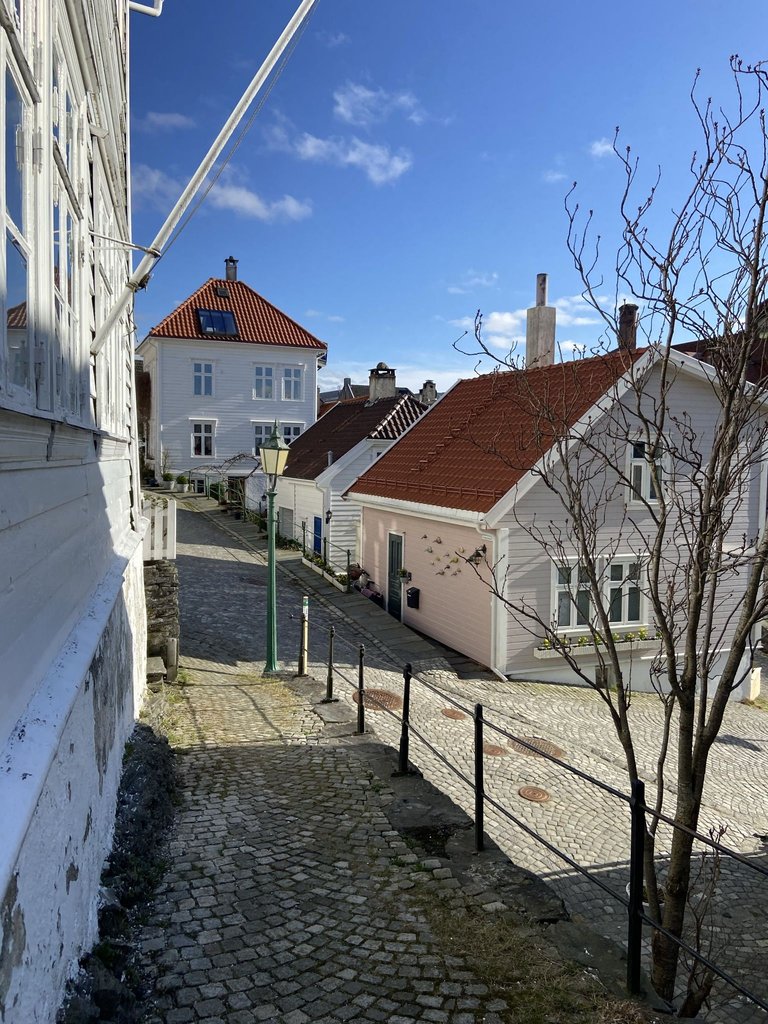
x=332, y=886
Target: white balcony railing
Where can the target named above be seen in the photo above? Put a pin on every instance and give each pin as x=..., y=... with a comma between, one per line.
x=160, y=538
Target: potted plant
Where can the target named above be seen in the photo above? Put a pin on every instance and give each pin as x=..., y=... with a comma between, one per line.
x=168, y=479
x=183, y=483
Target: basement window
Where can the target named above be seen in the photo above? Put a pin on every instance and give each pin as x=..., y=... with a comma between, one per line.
x=217, y=321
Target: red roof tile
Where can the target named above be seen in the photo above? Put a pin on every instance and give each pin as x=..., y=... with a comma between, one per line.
x=487, y=432
x=346, y=424
x=258, y=321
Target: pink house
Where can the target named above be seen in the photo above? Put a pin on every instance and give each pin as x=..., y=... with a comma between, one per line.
x=454, y=506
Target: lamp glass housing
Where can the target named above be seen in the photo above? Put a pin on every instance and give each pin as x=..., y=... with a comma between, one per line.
x=274, y=455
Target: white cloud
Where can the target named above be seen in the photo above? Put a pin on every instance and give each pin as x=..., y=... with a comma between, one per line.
x=553, y=177
x=377, y=161
x=155, y=121
x=317, y=314
x=601, y=147
x=153, y=187
x=575, y=311
x=501, y=330
x=332, y=39
x=246, y=203
x=358, y=105
x=472, y=280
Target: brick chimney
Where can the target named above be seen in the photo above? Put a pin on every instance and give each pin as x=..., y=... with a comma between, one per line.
x=381, y=383
x=230, y=265
x=428, y=393
x=540, y=328
x=628, y=327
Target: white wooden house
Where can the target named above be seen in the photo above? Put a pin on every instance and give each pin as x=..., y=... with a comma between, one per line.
x=467, y=507
x=329, y=457
x=72, y=618
x=224, y=365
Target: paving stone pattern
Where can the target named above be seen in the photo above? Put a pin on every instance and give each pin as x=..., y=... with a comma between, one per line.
x=586, y=823
x=289, y=898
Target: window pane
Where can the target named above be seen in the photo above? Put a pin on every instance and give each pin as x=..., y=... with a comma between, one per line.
x=617, y=571
x=14, y=156
x=582, y=608
x=563, y=609
x=614, y=611
x=633, y=605
x=563, y=575
x=208, y=384
x=637, y=482
x=638, y=450
x=16, y=315
x=651, y=486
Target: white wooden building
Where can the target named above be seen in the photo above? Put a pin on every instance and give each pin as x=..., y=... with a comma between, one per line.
x=72, y=619
x=329, y=457
x=224, y=365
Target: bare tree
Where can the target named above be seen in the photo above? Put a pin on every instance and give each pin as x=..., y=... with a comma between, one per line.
x=684, y=500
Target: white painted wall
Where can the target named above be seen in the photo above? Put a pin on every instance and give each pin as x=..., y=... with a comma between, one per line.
x=231, y=408
x=72, y=618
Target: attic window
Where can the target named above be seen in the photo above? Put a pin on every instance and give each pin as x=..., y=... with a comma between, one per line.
x=217, y=321
x=222, y=291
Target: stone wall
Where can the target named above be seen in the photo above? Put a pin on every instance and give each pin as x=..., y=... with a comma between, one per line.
x=161, y=588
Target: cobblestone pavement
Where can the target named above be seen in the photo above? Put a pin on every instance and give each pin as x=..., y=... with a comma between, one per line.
x=586, y=823
x=290, y=897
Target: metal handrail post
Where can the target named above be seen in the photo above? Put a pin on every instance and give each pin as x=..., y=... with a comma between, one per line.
x=329, y=698
x=479, y=786
x=361, y=692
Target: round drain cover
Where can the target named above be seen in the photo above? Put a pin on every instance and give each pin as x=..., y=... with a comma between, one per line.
x=454, y=713
x=535, y=794
x=378, y=700
x=541, y=746
x=492, y=750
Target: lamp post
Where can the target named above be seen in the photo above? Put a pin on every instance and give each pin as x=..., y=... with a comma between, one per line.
x=274, y=455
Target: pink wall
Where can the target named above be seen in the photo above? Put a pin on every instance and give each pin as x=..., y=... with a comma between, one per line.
x=455, y=606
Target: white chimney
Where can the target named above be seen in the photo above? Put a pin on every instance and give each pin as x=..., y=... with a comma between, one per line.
x=540, y=328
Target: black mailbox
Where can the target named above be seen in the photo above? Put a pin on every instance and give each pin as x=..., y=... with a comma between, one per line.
x=412, y=597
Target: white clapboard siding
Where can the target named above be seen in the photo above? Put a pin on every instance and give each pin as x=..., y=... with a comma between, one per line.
x=160, y=538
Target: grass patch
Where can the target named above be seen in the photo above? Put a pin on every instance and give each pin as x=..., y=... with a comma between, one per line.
x=518, y=967
x=162, y=712
x=761, y=703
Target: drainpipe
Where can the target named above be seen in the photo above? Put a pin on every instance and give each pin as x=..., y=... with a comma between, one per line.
x=140, y=276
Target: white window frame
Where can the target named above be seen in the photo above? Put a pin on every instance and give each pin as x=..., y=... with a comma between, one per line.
x=205, y=375
x=201, y=421
x=267, y=377
x=266, y=429
x=641, y=490
x=564, y=589
x=293, y=429
x=293, y=383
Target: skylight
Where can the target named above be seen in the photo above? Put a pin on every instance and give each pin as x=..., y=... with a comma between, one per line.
x=217, y=321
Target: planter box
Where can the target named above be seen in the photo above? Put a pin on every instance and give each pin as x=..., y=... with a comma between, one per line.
x=334, y=581
x=625, y=648
x=312, y=565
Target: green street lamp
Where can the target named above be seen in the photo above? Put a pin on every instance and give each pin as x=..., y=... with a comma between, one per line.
x=274, y=455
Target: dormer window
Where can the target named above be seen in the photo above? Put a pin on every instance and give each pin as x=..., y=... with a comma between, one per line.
x=217, y=321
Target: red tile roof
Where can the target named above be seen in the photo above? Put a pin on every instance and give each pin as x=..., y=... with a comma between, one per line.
x=258, y=321
x=487, y=432
x=346, y=424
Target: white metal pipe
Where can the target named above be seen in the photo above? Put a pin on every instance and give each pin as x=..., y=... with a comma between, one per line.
x=138, y=278
x=154, y=12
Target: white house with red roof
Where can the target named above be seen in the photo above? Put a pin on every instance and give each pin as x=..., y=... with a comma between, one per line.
x=461, y=520
x=224, y=365
x=329, y=456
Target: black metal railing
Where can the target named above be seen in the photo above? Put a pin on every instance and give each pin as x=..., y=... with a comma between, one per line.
x=639, y=811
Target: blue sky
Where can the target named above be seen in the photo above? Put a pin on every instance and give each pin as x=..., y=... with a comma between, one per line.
x=409, y=166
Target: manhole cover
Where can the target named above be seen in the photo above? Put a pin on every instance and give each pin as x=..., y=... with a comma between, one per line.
x=378, y=700
x=542, y=747
x=535, y=794
x=492, y=750
x=454, y=713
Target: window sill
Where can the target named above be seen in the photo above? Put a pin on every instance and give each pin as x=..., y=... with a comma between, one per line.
x=623, y=647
